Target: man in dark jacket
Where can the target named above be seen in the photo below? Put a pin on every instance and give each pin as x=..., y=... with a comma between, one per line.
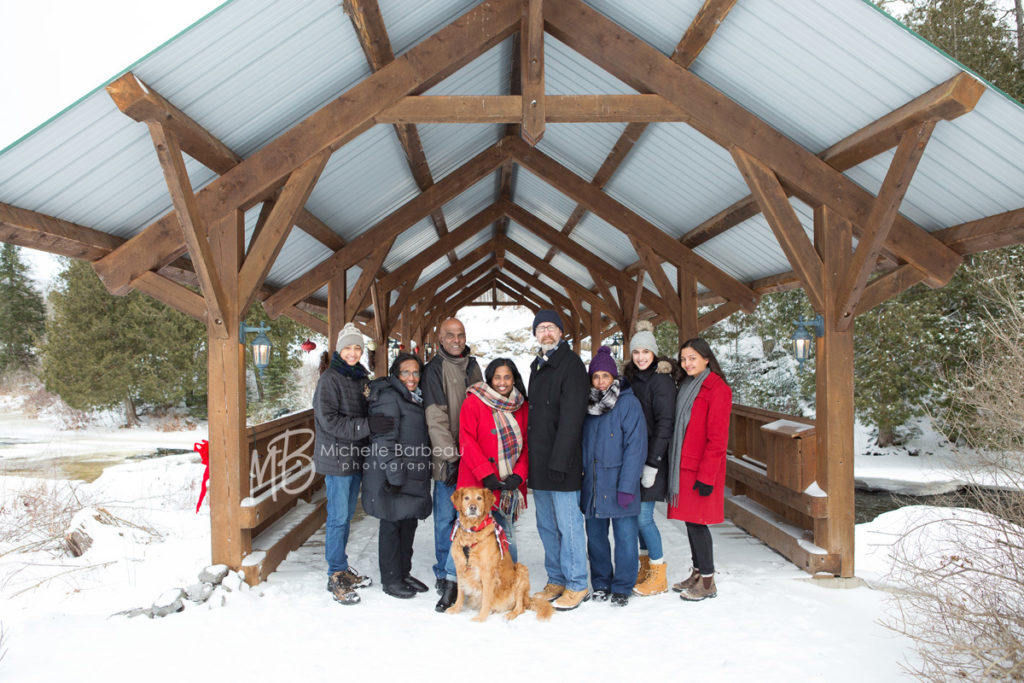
x=559, y=387
x=445, y=379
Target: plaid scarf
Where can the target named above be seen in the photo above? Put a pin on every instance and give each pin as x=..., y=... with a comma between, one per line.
x=510, y=438
x=600, y=402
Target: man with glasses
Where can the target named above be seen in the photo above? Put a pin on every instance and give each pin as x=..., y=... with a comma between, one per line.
x=558, y=392
x=445, y=379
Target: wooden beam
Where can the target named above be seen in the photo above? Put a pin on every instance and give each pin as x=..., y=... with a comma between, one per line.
x=885, y=287
x=513, y=288
x=38, y=231
x=688, y=325
x=370, y=268
x=703, y=26
x=719, y=118
x=639, y=109
x=653, y=266
x=1001, y=230
x=880, y=221
x=193, y=230
x=610, y=303
x=312, y=322
x=456, y=237
x=558, y=276
x=783, y=220
x=174, y=295
x=630, y=223
x=531, y=64
x=716, y=316
x=556, y=297
x=266, y=245
x=393, y=225
x=344, y=118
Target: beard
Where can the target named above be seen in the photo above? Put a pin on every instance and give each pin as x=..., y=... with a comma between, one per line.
x=547, y=347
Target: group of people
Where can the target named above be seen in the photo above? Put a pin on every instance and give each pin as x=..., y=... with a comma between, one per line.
x=597, y=448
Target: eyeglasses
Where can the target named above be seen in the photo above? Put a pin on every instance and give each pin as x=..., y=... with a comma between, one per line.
x=546, y=328
x=409, y=373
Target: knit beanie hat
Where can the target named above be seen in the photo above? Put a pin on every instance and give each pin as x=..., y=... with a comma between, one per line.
x=603, y=362
x=546, y=315
x=348, y=336
x=643, y=338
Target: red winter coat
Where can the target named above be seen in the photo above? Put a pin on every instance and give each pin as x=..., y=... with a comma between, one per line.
x=703, y=456
x=478, y=442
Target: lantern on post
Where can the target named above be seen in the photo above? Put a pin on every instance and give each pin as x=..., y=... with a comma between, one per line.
x=260, y=345
x=617, y=345
x=803, y=340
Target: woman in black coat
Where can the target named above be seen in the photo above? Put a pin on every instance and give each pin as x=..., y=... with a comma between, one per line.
x=396, y=481
x=652, y=381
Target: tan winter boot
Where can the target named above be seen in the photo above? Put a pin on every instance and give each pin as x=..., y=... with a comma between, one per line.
x=645, y=567
x=687, y=583
x=656, y=582
x=551, y=592
x=571, y=599
x=705, y=588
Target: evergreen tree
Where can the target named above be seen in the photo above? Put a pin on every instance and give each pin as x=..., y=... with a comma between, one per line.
x=22, y=312
x=104, y=350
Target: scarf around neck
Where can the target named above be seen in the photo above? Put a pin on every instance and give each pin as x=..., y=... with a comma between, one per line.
x=684, y=405
x=600, y=402
x=510, y=438
x=356, y=371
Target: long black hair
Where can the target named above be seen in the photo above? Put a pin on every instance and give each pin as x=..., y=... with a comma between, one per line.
x=517, y=379
x=704, y=349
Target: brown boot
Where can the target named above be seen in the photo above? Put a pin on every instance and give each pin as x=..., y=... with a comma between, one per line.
x=705, y=588
x=645, y=568
x=656, y=582
x=551, y=592
x=572, y=599
x=687, y=583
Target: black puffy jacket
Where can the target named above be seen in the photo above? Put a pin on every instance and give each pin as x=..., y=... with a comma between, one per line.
x=400, y=456
x=339, y=412
x=657, y=393
x=559, y=388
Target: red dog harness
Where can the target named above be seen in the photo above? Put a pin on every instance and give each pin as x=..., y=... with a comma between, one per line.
x=499, y=534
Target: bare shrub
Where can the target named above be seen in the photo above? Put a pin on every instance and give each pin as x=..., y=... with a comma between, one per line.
x=964, y=569
x=36, y=515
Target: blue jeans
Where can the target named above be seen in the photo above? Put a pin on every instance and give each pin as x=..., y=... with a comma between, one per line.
x=444, y=518
x=510, y=534
x=560, y=525
x=650, y=537
x=627, y=562
x=342, y=495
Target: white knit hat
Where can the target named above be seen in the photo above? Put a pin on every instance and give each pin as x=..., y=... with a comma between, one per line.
x=348, y=336
x=643, y=338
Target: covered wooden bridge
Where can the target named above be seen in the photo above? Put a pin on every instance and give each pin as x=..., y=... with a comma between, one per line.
x=390, y=161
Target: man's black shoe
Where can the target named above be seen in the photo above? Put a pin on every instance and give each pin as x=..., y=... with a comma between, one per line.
x=415, y=584
x=399, y=590
x=451, y=591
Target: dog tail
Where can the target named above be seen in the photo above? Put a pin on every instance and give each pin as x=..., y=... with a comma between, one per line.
x=542, y=607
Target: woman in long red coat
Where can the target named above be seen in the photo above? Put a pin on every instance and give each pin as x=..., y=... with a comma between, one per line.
x=697, y=465
x=492, y=438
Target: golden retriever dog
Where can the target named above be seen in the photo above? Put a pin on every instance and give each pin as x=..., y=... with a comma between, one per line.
x=488, y=578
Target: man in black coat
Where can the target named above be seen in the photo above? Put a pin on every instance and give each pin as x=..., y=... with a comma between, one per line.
x=558, y=392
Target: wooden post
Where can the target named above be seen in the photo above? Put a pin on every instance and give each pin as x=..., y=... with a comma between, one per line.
x=229, y=457
x=380, y=326
x=595, y=330
x=833, y=239
x=337, y=316
x=688, y=327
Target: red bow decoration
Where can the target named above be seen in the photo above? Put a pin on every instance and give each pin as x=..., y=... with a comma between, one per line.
x=203, y=449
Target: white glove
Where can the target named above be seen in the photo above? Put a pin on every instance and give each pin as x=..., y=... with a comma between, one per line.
x=648, y=477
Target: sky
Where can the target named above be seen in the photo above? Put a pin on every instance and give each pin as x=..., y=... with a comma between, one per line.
x=53, y=52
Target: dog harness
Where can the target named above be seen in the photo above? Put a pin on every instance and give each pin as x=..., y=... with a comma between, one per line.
x=499, y=534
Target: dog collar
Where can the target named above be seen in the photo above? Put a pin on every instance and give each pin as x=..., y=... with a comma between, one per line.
x=499, y=533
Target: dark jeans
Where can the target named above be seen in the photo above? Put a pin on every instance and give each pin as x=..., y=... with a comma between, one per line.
x=621, y=577
x=394, y=550
x=700, y=548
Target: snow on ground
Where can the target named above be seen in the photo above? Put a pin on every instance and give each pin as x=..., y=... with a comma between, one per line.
x=770, y=622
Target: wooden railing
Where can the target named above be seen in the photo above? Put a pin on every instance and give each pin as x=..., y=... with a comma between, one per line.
x=772, y=472
x=286, y=502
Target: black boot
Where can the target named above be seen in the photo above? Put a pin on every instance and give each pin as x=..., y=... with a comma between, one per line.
x=448, y=595
x=399, y=590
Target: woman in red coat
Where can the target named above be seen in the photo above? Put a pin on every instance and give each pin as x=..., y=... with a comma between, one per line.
x=492, y=438
x=697, y=465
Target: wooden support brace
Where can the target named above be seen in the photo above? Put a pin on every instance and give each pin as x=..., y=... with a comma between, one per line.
x=531, y=43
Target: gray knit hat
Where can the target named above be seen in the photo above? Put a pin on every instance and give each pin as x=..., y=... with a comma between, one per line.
x=643, y=338
x=348, y=336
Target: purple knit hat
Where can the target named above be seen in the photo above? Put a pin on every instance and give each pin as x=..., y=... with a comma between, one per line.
x=603, y=362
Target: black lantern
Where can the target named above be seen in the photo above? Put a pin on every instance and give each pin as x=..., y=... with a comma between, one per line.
x=803, y=339
x=260, y=345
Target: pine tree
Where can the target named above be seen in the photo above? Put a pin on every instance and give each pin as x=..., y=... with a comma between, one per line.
x=22, y=311
x=104, y=350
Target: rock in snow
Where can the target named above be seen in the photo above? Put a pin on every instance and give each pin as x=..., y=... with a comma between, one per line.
x=169, y=603
x=214, y=574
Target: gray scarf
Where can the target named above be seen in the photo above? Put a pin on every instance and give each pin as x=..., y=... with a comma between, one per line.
x=684, y=405
x=601, y=402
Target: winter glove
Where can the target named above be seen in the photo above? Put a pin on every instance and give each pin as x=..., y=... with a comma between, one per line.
x=704, y=490
x=555, y=476
x=625, y=499
x=391, y=489
x=648, y=477
x=380, y=424
x=512, y=482
x=451, y=473
x=492, y=482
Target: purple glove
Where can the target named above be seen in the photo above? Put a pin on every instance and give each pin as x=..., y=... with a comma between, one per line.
x=625, y=499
